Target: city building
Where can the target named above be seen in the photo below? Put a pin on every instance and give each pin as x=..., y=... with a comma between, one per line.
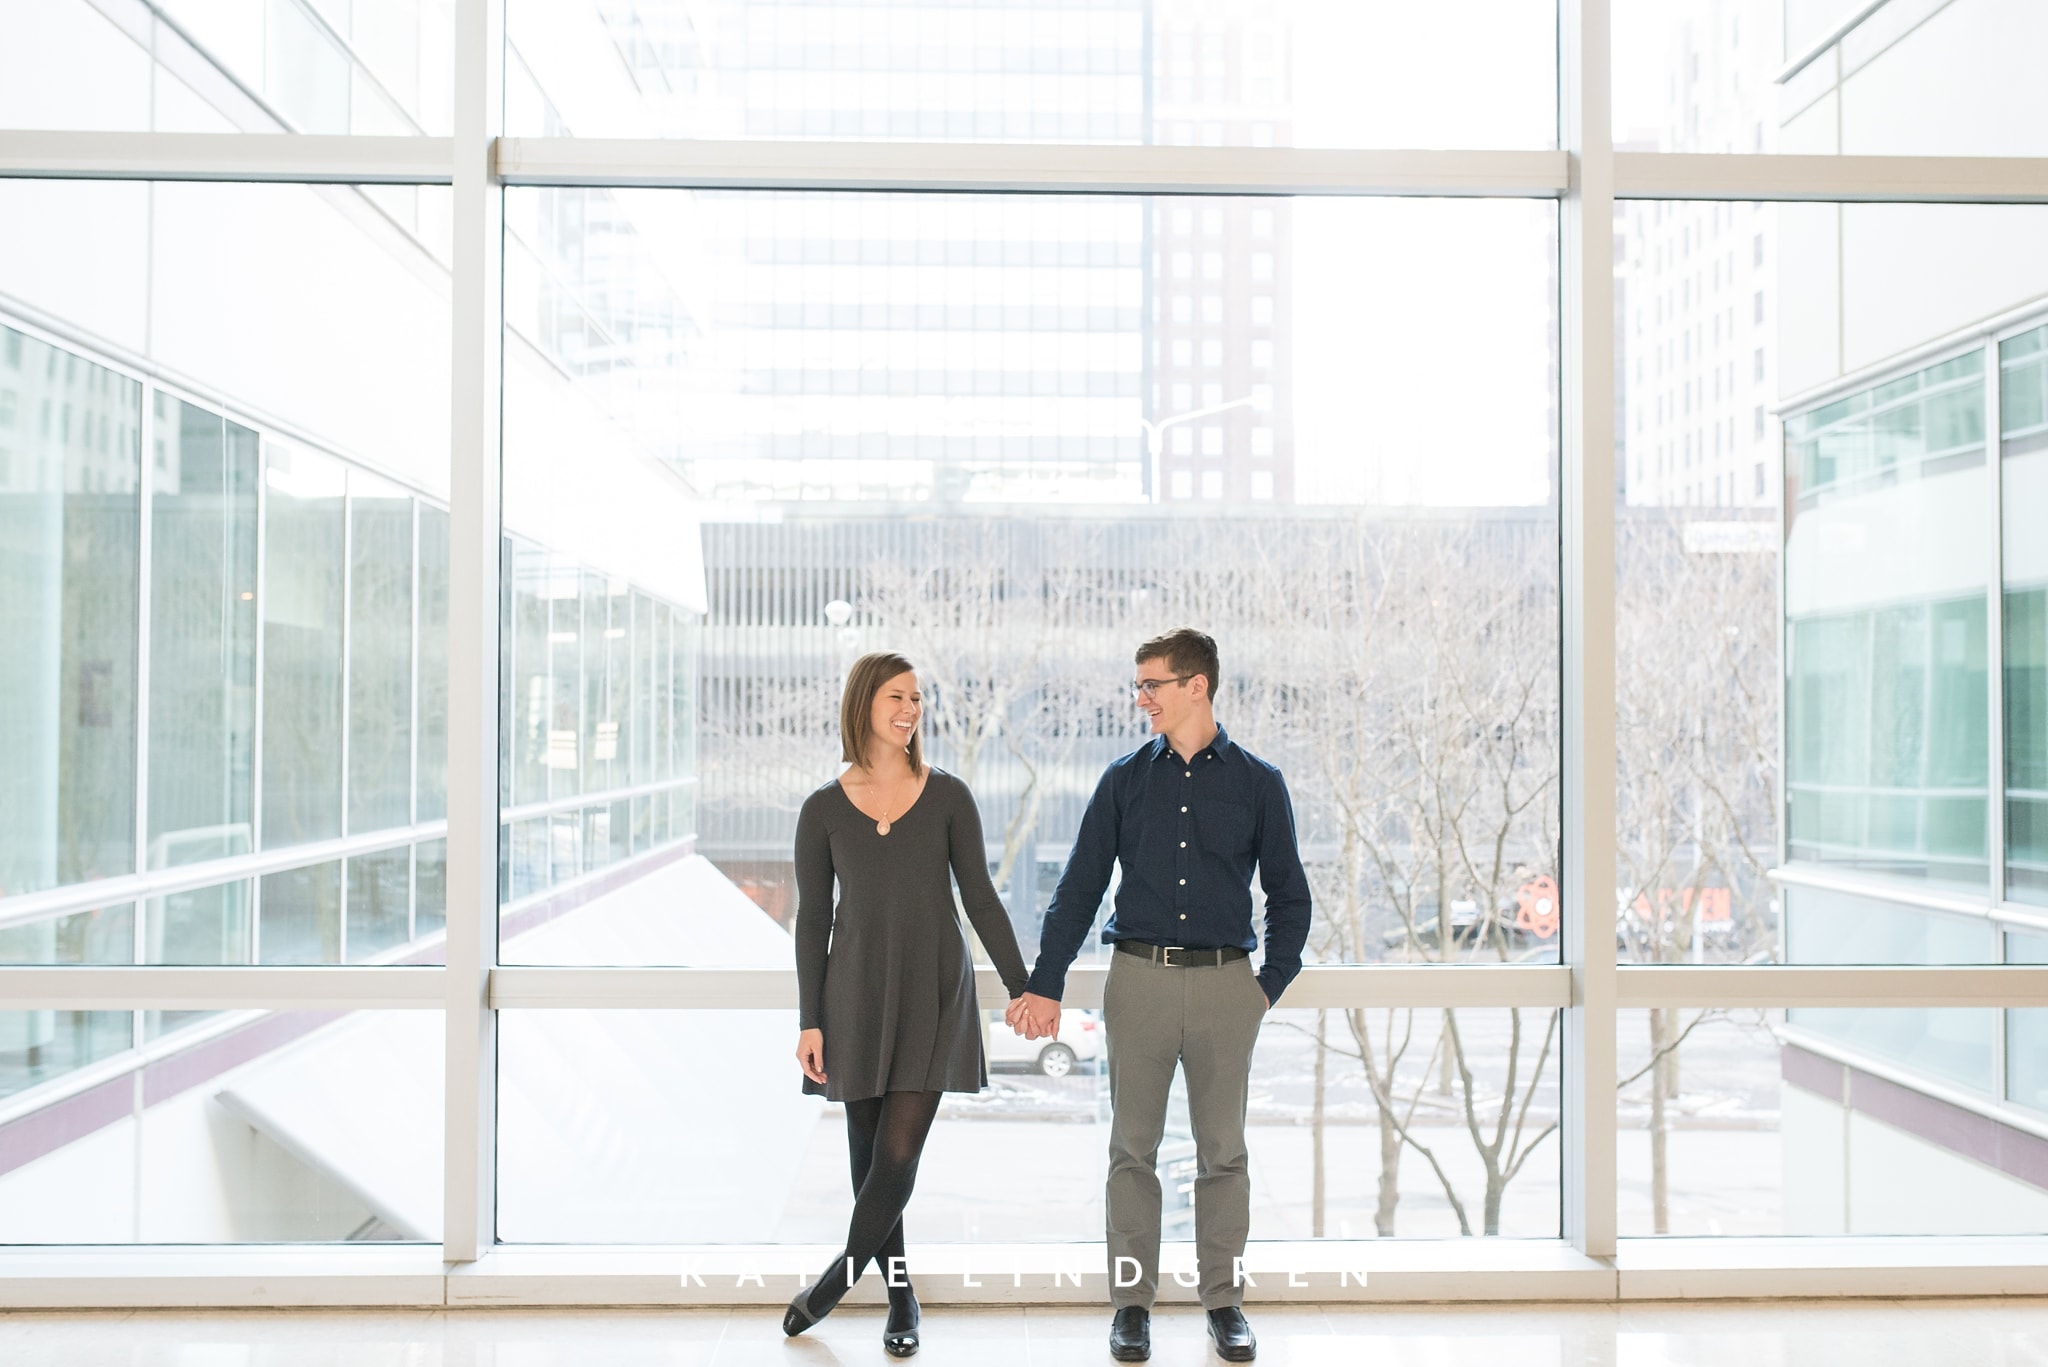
x=1700, y=336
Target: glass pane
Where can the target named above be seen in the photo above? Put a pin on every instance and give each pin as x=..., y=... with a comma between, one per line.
x=379, y=905
x=2026, y=1033
x=1314, y=73
x=243, y=1127
x=380, y=656
x=1907, y=78
x=269, y=66
x=213, y=925
x=430, y=891
x=302, y=647
x=227, y=618
x=575, y=1167
x=202, y=647
x=2023, y=407
x=1101, y=410
x=39, y=1046
x=1888, y=726
x=1753, y=1123
x=431, y=678
x=70, y=467
x=299, y=921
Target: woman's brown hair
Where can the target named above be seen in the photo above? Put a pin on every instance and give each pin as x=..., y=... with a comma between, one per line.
x=857, y=708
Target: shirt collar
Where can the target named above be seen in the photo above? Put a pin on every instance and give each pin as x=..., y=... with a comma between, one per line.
x=1220, y=746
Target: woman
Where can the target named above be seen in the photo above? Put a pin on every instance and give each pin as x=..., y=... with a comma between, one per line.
x=888, y=1019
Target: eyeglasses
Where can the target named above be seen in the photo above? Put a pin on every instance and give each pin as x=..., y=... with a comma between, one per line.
x=1149, y=688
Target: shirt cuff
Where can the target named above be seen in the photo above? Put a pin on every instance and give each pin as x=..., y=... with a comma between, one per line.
x=1046, y=983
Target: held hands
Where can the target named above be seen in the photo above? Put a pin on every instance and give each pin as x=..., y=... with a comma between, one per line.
x=1033, y=1016
x=810, y=1054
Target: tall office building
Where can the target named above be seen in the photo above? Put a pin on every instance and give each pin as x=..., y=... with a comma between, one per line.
x=1700, y=332
x=956, y=349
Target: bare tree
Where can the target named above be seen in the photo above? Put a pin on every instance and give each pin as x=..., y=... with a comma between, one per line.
x=1404, y=673
x=1696, y=741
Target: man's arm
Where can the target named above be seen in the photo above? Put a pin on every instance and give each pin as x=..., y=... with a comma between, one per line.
x=1286, y=886
x=1079, y=894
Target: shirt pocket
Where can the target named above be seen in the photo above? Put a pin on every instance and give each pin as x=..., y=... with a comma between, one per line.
x=1225, y=828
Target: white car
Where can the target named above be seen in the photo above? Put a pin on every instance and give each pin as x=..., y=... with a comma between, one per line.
x=1079, y=1041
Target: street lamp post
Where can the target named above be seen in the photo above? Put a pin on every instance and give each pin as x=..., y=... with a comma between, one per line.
x=1155, y=436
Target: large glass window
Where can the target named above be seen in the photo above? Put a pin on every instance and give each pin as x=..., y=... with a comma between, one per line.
x=307, y=1128
x=1110, y=414
x=748, y=435
x=603, y=1140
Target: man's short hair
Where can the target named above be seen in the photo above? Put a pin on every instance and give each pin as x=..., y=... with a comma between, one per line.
x=1186, y=651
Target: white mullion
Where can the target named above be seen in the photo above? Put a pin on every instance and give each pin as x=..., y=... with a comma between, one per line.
x=1586, y=312
x=1777, y=985
x=1824, y=178
x=1074, y=168
x=476, y=370
x=1544, y=987
x=298, y=158
x=1994, y=619
x=68, y=987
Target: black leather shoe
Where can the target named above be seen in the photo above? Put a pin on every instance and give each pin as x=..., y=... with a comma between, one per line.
x=899, y=1331
x=812, y=1304
x=1234, y=1341
x=1130, y=1334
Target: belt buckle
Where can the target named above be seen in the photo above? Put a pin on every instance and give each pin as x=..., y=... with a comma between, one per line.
x=1166, y=953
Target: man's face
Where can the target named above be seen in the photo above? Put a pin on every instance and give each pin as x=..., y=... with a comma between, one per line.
x=1173, y=701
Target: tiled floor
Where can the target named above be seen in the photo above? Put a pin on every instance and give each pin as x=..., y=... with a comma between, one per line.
x=1774, y=1334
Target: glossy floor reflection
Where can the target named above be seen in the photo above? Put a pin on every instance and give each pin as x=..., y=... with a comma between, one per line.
x=2005, y=1333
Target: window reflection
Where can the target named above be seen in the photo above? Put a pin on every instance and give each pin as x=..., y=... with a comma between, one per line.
x=70, y=464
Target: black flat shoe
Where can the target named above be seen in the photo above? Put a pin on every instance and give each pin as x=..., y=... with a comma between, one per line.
x=1130, y=1334
x=800, y=1315
x=1234, y=1341
x=899, y=1332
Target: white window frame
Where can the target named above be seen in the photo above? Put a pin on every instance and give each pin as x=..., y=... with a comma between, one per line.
x=1585, y=176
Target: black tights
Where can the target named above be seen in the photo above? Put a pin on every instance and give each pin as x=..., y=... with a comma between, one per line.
x=884, y=1139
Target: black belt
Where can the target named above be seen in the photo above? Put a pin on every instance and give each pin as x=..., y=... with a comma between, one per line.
x=1177, y=956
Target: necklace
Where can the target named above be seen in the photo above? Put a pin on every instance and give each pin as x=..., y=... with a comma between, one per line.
x=882, y=826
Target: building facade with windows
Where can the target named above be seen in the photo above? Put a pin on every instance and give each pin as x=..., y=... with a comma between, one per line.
x=1912, y=592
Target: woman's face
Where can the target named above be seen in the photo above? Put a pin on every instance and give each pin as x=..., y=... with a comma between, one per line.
x=899, y=706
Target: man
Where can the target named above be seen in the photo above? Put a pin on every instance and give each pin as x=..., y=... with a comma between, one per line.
x=1189, y=816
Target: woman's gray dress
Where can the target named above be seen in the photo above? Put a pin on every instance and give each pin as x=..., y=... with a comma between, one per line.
x=886, y=973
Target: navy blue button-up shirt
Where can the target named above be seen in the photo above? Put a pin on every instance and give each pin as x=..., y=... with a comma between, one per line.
x=1188, y=835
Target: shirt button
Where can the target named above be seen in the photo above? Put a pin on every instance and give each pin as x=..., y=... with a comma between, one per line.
x=1183, y=882
x=1183, y=809
x=1183, y=916
x=1187, y=773
x=1183, y=844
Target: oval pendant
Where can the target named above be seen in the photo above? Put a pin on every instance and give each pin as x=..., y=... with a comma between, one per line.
x=881, y=828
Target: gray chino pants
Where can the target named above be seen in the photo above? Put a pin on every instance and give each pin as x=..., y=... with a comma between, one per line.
x=1204, y=1020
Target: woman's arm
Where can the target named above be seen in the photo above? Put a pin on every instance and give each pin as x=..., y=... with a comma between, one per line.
x=813, y=913
x=984, y=908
